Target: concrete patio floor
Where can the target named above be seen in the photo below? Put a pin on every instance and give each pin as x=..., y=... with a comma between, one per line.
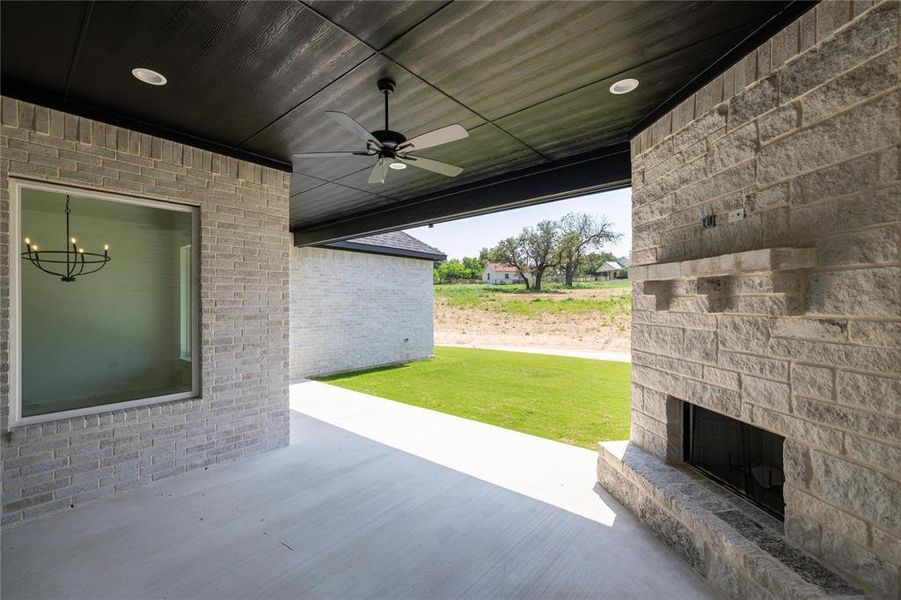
x=373, y=499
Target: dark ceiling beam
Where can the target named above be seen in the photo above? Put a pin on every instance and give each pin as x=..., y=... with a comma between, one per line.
x=605, y=169
x=13, y=89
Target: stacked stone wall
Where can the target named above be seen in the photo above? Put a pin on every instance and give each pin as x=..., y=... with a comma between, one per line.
x=802, y=135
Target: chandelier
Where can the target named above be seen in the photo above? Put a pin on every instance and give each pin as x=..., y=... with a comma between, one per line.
x=77, y=262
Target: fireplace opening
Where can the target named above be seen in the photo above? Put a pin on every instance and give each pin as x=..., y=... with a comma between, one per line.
x=741, y=457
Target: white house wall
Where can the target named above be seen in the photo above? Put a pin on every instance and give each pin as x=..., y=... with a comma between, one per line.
x=351, y=310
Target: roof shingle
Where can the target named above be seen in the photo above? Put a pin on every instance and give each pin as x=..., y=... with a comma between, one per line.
x=393, y=243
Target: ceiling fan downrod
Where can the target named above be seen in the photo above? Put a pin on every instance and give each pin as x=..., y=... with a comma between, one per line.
x=386, y=86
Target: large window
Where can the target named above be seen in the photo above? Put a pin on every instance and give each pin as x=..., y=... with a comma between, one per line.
x=123, y=336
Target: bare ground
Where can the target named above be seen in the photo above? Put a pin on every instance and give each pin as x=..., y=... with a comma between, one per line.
x=477, y=326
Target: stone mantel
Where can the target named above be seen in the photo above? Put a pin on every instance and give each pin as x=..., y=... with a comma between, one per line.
x=732, y=264
x=708, y=278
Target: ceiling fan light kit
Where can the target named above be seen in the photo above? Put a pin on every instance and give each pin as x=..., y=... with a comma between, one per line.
x=392, y=148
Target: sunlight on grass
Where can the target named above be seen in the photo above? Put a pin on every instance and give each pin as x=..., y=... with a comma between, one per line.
x=569, y=306
x=572, y=400
x=476, y=290
x=556, y=301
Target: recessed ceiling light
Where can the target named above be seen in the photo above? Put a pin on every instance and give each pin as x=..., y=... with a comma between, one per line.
x=149, y=76
x=397, y=165
x=623, y=86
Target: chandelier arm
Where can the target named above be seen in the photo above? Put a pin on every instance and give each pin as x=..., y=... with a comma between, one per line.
x=81, y=269
x=103, y=264
x=68, y=268
x=36, y=261
x=71, y=269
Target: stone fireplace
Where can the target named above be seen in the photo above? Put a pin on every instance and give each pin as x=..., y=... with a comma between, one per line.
x=766, y=349
x=737, y=455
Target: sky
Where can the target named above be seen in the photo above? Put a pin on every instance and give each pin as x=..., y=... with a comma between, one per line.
x=465, y=237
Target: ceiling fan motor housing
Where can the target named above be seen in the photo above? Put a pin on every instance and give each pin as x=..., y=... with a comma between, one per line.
x=389, y=139
x=386, y=85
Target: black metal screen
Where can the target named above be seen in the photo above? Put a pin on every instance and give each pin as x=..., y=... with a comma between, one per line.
x=742, y=457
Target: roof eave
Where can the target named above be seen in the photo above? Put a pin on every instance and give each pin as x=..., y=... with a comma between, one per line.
x=384, y=250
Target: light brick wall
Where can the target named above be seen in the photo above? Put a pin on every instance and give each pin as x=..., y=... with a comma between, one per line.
x=244, y=314
x=351, y=310
x=802, y=134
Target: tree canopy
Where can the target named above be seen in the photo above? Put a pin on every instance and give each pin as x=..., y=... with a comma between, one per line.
x=569, y=244
x=455, y=270
x=580, y=233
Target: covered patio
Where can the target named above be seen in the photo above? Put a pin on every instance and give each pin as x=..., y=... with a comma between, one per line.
x=151, y=443
x=372, y=499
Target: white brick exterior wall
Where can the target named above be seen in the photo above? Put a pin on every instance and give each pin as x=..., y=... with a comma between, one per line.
x=351, y=310
x=244, y=242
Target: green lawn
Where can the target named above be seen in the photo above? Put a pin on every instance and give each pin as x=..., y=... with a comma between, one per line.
x=554, y=301
x=535, y=308
x=456, y=291
x=572, y=400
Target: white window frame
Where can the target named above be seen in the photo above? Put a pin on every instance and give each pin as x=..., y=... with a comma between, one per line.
x=185, y=255
x=16, y=186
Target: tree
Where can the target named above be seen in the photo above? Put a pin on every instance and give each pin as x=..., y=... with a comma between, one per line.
x=510, y=251
x=580, y=233
x=531, y=252
x=474, y=267
x=456, y=269
x=449, y=270
x=540, y=246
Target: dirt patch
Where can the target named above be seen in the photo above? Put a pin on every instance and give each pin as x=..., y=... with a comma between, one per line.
x=588, y=319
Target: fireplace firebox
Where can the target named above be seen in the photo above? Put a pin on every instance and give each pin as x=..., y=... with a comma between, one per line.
x=743, y=458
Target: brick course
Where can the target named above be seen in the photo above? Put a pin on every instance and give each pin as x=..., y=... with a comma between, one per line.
x=379, y=310
x=805, y=139
x=244, y=245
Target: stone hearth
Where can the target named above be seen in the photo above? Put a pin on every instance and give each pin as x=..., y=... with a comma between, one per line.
x=740, y=549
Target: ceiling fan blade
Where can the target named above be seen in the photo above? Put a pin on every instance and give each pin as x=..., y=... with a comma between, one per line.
x=433, y=165
x=329, y=154
x=379, y=171
x=445, y=135
x=348, y=123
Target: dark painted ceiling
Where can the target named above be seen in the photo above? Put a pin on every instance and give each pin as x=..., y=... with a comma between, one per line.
x=529, y=80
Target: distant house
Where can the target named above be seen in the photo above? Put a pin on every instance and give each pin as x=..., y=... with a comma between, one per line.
x=501, y=274
x=625, y=262
x=610, y=269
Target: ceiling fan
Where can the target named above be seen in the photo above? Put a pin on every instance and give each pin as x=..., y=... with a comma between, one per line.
x=391, y=147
